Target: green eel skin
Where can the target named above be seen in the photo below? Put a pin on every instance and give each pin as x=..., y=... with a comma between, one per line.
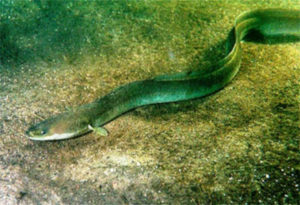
x=283, y=25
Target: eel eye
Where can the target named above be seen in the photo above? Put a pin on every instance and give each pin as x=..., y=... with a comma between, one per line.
x=43, y=132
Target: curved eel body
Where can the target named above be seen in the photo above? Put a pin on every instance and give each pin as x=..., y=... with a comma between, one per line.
x=267, y=23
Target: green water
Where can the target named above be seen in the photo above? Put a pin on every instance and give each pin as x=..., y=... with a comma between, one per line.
x=53, y=30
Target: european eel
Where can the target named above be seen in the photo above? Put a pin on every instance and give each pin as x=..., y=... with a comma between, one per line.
x=267, y=23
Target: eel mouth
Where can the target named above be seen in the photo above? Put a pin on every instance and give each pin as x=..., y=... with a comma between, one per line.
x=51, y=137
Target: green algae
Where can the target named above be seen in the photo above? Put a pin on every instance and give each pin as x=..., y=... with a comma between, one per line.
x=240, y=145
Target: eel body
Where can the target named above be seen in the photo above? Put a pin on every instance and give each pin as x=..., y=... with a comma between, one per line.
x=268, y=24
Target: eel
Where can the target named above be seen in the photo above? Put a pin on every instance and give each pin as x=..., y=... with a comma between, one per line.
x=283, y=25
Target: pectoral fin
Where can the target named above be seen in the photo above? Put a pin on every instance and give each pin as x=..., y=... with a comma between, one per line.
x=68, y=108
x=99, y=130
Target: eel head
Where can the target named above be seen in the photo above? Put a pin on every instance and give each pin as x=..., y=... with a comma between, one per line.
x=63, y=126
